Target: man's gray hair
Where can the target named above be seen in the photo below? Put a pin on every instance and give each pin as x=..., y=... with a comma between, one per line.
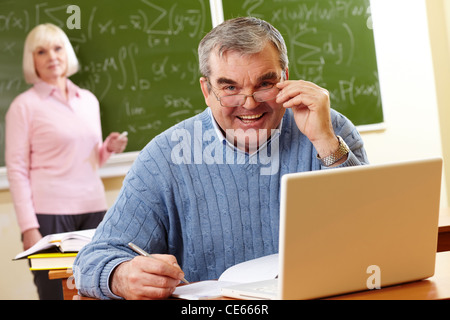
x=247, y=35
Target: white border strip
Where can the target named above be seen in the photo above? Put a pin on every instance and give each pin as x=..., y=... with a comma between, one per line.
x=216, y=12
x=117, y=166
x=371, y=127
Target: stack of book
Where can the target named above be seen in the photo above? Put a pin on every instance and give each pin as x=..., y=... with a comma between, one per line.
x=56, y=251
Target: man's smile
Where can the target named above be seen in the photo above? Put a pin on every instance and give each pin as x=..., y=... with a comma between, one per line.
x=250, y=118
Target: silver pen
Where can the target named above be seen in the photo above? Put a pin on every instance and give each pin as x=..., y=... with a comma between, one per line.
x=145, y=254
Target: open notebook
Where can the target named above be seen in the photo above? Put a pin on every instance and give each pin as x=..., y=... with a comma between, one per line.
x=59, y=242
x=246, y=272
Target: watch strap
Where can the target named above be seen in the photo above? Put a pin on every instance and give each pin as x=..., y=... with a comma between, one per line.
x=341, y=152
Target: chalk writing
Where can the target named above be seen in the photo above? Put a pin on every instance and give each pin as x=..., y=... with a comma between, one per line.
x=139, y=60
x=74, y=21
x=329, y=43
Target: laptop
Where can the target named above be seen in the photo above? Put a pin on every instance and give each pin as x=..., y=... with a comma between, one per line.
x=353, y=229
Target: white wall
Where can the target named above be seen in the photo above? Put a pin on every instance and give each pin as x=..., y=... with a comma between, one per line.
x=407, y=85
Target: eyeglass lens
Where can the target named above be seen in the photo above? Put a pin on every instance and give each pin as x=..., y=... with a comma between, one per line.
x=239, y=99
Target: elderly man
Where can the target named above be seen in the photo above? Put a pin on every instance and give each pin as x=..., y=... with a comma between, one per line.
x=204, y=195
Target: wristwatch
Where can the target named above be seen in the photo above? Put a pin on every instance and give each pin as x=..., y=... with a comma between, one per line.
x=341, y=152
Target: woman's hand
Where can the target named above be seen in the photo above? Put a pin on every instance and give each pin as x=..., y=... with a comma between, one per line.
x=117, y=142
x=30, y=237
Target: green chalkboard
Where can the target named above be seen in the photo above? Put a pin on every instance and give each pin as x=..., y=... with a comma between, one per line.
x=330, y=43
x=139, y=57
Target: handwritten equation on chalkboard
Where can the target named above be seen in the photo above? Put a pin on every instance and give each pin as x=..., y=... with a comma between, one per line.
x=138, y=58
x=330, y=43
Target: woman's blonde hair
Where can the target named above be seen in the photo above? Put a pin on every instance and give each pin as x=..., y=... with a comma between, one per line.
x=43, y=35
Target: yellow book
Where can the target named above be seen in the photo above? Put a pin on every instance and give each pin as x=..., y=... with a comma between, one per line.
x=49, y=261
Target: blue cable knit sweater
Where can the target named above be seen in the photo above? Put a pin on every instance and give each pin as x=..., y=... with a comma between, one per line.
x=191, y=194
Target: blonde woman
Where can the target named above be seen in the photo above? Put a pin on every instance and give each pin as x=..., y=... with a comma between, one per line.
x=54, y=147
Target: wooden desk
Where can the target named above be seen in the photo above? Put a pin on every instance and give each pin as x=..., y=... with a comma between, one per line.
x=433, y=288
x=70, y=292
x=444, y=230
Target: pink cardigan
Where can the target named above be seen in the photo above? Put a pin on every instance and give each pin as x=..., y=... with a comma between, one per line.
x=53, y=151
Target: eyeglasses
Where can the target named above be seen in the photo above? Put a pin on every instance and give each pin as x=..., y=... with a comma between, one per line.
x=237, y=100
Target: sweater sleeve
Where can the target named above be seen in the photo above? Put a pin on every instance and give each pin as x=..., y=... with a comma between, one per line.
x=17, y=157
x=348, y=132
x=135, y=217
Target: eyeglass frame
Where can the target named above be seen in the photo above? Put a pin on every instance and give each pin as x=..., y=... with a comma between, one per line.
x=240, y=94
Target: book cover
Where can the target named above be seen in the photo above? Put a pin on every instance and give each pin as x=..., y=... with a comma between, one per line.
x=49, y=261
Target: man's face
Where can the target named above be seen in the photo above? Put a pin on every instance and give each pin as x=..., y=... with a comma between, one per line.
x=234, y=73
